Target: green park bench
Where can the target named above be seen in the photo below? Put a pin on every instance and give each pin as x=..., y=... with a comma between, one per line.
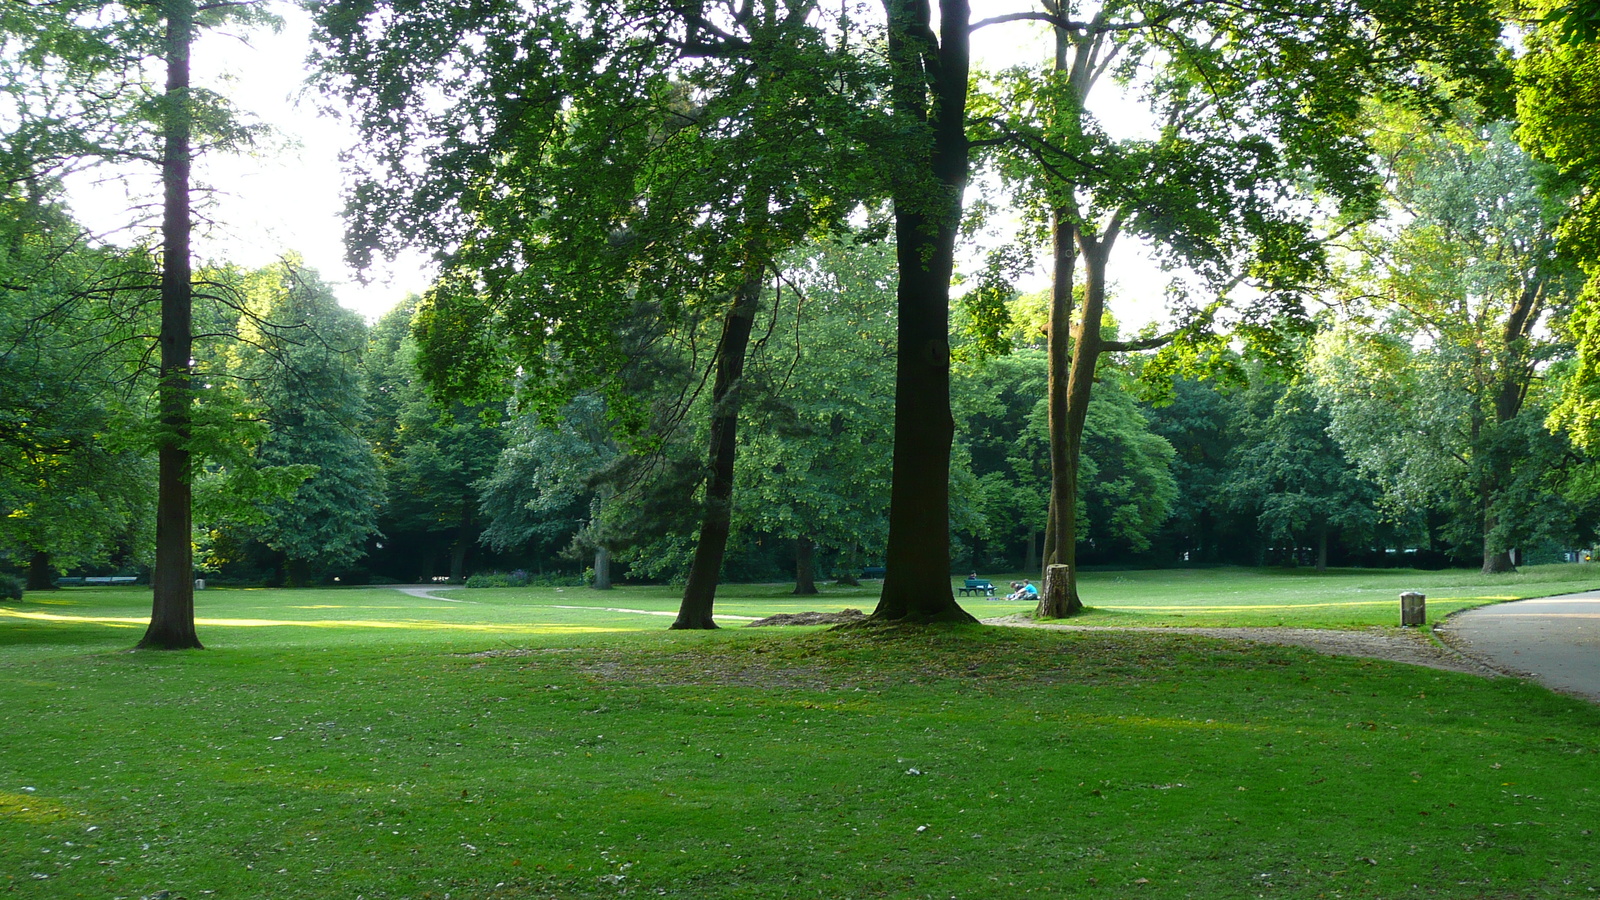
x=977, y=587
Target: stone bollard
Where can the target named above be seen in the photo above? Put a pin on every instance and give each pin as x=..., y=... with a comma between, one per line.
x=1413, y=608
x=199, y=584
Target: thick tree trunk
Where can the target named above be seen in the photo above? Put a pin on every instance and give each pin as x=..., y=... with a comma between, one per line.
x=701, y=591
x=805, y=580
x=602, y=569
x=916, y=585
x=41, y=575
x=1496, y=559
x=172, y=582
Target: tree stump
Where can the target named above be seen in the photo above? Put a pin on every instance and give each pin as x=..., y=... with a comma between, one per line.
x=1054, y=601
x=1413, y=608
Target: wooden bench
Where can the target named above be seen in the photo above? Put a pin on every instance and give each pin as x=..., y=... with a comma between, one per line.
x=977, y=587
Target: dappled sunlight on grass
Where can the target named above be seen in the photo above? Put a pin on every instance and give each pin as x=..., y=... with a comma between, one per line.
x=32, y=809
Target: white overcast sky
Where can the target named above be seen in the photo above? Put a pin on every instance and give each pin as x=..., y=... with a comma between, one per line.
x=287, y=198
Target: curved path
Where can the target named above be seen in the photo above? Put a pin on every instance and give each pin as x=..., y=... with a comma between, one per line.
x=1552, y=640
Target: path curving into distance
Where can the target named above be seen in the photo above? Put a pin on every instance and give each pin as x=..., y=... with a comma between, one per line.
x=426, y=592
x=1552, y=640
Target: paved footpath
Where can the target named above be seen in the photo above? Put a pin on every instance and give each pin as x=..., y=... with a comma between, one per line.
x=1553, y=640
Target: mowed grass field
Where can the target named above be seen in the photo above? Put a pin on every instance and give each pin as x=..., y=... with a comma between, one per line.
x=519, y=743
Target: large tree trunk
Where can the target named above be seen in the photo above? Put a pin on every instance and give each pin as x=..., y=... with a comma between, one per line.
x=41, y=575
x=172, y=582
x=916, y=585
x=701, y=591
x=805, y=581
x=602, y=569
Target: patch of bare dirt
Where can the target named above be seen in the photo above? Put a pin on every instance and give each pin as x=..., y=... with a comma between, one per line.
x=1407, y=646
x=841, y=617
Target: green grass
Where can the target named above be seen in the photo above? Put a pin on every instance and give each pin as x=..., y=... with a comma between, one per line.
x=1340, y=598
x=358, y=742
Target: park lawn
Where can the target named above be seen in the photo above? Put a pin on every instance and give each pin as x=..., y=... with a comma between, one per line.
x=1216, y=597
x=351, y=748
x=1302, y=598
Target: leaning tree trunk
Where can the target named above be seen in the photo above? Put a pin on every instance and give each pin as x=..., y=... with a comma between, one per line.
x=41, y=575
x=701, y=591
x=916, y=584
x=805, y=580
x=172, y=582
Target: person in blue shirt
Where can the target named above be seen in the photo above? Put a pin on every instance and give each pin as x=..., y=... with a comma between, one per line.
x=1029, y=591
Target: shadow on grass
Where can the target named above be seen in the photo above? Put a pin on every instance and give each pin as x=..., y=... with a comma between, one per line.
x=58, y=634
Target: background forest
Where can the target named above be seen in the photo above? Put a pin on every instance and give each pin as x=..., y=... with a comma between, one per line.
x=1421, y=401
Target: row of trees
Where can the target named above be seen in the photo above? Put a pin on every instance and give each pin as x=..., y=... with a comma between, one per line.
x=667, y=111
x=382, y=481
x=621, y=192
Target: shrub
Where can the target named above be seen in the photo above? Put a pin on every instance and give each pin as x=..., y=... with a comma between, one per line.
x=521, y=578
x=10, y=587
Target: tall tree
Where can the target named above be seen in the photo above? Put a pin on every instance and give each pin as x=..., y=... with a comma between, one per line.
x=1225, y=187
x=92, y=102
x=1198, y=419
x=1558, y=108
x=546, y=486
x=298, y=361
x=638, y=157
x=816, y=462
x=1448, y=332
x=69, y=487
x=928, y=171
x=172, y=605
x=432, y=455
x=1291, y=474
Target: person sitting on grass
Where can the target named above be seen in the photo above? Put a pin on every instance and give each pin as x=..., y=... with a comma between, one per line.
x=1017, y=592
x=1029, y=592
